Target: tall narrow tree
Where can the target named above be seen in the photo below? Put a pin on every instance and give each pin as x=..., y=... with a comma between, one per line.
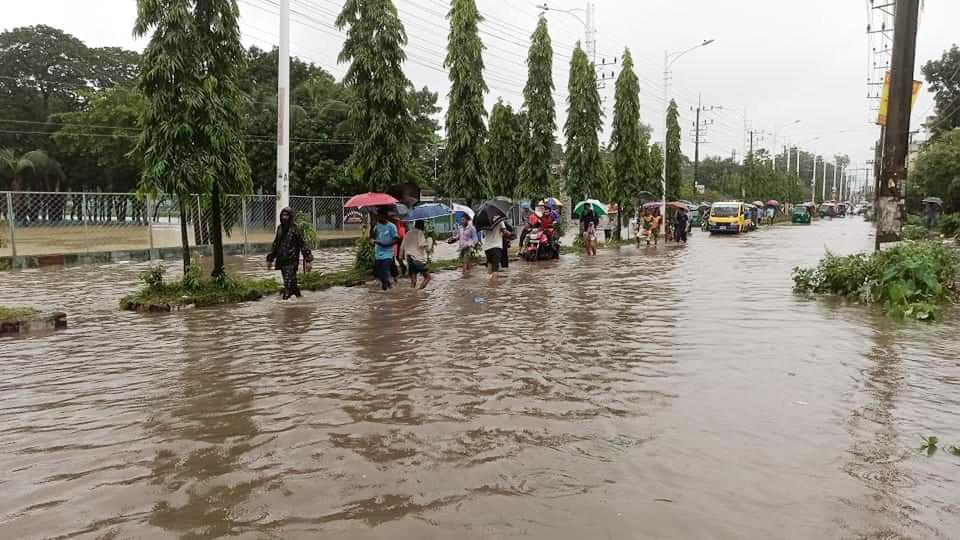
x=674, y=157
x=192, y=136
x=628, y=142
x=466, y=131
x=502, y=152
x=541, y=116
x=379, y=113
x=584, y=170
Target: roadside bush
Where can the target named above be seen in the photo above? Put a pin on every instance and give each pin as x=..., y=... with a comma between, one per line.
x=950, y=225
x=914, y=232
x=363, y=255
x=153, y=276
x=911, y=280
x=309, y=231
x=192, y=278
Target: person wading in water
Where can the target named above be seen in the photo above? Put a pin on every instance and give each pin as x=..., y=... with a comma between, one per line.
x=287, y=247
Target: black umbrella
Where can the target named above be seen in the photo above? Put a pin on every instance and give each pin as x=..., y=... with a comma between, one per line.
x=933, y=200
x=490, y=213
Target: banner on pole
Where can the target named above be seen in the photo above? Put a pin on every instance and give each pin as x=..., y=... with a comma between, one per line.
x=885, y=99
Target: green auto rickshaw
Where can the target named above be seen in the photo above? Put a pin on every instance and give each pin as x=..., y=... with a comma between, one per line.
x=800, y=214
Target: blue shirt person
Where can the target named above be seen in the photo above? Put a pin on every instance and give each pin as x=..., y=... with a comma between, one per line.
x=384, y=235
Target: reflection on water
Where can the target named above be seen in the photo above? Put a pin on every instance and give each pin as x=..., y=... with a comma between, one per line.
x=671, y=393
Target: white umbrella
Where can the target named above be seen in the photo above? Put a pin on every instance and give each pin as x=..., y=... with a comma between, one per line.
x=464, y=209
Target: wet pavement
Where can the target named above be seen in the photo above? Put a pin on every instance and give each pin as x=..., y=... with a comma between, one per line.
x=671, y=393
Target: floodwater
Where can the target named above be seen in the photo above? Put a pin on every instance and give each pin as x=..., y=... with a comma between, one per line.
x=671, y=393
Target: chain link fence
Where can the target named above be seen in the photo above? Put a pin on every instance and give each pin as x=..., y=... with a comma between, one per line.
x=37, y=224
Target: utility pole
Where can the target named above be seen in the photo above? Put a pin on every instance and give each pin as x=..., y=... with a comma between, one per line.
x=751, y=134
x=698, y=132
x=824, y=185
x=835, y=168
x=889, y=205
x=813, y=182
x=283, y=112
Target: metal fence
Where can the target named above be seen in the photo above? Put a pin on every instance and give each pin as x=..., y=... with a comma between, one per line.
x=42, y=223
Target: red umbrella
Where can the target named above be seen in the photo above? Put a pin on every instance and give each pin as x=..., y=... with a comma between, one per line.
x=370, y=199
x=773, y=202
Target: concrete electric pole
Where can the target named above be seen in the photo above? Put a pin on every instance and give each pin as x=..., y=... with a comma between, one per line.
x=888, y=203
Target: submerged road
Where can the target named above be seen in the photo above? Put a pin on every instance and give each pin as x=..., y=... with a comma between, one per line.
x=670, y=393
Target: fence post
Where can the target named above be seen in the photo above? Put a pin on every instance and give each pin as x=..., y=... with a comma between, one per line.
x=83, y=221
x=149, y=224
x=313, y=202
x=243, y=218
x=343, y=214
x=12, y=219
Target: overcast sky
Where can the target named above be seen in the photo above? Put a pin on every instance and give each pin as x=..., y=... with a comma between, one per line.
x=780, y=60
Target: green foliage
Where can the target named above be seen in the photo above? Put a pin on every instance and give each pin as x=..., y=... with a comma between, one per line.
x=955, y=450
x=950, y=225
x=153, y=277
x=655, y=168
x=379, y=111
x=193, y=278
x=16, y=313
x=197, y=290
x=584, y=168
x=192, y=125
x=464, y=175
x=937, y=169
x=363, y=255
x=942, y=80
x=308, y=230
x=34, y=170
x=628, y=142
x=911, y=280
x=424, y=141
x=674, y=153
x=117, y=108
x=541, y=117
x=929, y=445
x=914, y=232
x=503, y=152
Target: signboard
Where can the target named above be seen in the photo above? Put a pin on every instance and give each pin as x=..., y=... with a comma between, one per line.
x=885, y=99
x=353, y=218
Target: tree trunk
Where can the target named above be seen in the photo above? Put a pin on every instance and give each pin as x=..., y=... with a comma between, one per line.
x=217, y=233
x=617, y=234
x=184, y=237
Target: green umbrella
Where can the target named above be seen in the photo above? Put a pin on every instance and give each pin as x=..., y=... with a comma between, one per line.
x=599, y=208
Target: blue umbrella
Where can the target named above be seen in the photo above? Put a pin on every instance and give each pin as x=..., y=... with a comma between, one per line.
x=428, y=211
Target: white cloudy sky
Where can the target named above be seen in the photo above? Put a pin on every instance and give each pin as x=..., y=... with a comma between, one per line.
x=780, y=60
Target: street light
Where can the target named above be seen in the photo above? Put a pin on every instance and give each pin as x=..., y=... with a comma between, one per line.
x=668, y=59
x=588, y=25
x=776, y=128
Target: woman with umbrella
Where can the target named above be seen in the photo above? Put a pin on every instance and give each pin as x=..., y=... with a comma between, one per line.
x=587, y=212
x=466, y=239
x=933, y=205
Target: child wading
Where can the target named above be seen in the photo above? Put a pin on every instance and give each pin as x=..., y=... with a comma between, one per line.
x=287, y=247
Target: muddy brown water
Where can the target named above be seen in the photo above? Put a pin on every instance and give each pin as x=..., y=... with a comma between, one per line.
x=671, y=393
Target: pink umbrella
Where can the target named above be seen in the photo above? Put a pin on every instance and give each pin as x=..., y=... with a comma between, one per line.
x=370, y=199
x=773, y=202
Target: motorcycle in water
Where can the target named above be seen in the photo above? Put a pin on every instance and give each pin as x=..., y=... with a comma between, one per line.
x=539, y=246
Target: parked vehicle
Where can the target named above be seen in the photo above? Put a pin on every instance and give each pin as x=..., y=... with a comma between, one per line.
x=728, y=217
x=800, y=215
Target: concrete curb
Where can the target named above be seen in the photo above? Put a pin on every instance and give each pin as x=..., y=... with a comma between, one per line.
x=145, y=255
x=41, y=322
